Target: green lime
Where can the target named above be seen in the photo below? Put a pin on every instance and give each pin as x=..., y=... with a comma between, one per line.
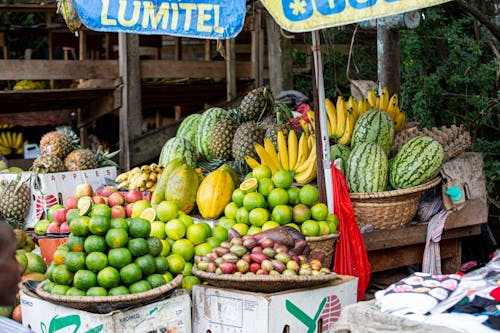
x=116, y=238
x=155, y=246
x=75, y=261
x=108, y=277
x=99, y=224
x=95, y=261
x=131, y=273
x=97, y=291
x=137, y=246
x=156, y=280
x=147, y=264
x=95, y=243
x=139, y=287
x=85, y=279
x=119, y=257
x=139, y=227
x=117, y=291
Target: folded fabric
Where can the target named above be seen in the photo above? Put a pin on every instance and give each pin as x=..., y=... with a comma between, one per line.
x=418, y=293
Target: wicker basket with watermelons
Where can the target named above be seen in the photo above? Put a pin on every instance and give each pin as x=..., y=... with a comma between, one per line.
x=386, y=193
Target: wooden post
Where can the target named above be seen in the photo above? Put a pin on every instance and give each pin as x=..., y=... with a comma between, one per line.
x=279, y=57
x=230, y=69
x=256, y=47
x=388, y=56
x=131, y=110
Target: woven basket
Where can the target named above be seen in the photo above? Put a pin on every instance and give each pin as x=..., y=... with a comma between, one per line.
x=262, y=283
x=93, y=302
x=389, y=209
x=325, y=245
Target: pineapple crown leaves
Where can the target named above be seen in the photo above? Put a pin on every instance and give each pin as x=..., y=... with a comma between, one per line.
x=104, y=157
x=75, y=139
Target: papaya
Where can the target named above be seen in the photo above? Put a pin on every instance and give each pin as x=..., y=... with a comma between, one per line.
x=182, y=186
x=215, y=193
x=159, y=190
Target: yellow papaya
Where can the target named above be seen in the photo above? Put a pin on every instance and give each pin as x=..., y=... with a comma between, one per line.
x=214, y=193
x=181, y=188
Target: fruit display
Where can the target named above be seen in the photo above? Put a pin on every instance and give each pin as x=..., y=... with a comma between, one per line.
x=215, y=192
x=12, y=143
x=29, y=85
x=188, y=127
x=367, y=168
x=143, y=178
x=15, y=199
x=177, y=147
x=204, y=130
x=374, y=126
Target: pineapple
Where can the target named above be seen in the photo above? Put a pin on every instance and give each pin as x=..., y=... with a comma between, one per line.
x=56, y=143
x=80, y=159
x=15, y=201
x=221, y=140
x=245, y=138
x=48, y=163
x=257, y=104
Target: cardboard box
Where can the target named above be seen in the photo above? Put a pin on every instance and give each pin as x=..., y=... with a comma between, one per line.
x=315, y=309
x=172, y=315
x=57, y=187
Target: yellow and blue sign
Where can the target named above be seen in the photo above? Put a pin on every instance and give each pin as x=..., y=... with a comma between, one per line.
x=309, y=15
x=212, y=19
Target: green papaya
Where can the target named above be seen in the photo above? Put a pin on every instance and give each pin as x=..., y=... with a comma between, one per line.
x=159, y=191
x=182, y=186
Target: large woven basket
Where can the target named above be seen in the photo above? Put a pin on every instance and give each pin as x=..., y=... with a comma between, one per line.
x=325, y=245
x=389, y=209
x=112, y=302
x=262, y=283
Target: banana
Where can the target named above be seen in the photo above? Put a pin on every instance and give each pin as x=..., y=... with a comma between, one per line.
x=384, y=99
x=307, y=175
x=19, y=141
x=349, y=127
x=399, y=122
x=124, y=184
x=10, y=140
x=121, y=177
x=266, y=159
x=353, y=105
x=310, y=115
x=271, y=151
x=341, y=116
x=252, y=162
x=5, y=150
x=293, y=144
x=331, y=114
x=372, y=99
x=303, y=150
x=3, y=139
x=283, y=150
x=304, y=126
x=310, y=159
x=392, y=108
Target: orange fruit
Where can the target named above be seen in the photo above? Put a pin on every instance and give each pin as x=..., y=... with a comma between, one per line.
x=258, y=216
x=117, y=291
x=149, y=214
x=189, y=281
x=196, y=233
x=139, y=287
x=183, y=247
x=119, y=223
x=266, y=185
x=100, y=210
x=241, y=228
x=237, y=197
x=95, y=243
x=95, y=261
x=324, y=228
x=332, y=226
x=85, y=279
x=333, y=218
x=310, y=228
x=254, y=200
x=72, y=215
x=293, y=195
x=108, y=277
x=156, y=280
x=80, y=226
x=175, y=229
x=161, y=264
x=168, y=276
x=207, y=227
x=249, y=185
x=75, y=261
x=277, y=196
x=119, y=257
x=139, y=206
x=300, y=213
x=308, y=195
x=202, y=249
x=99, y=224
x=155, y=246
x=230, y=210
x=139, y=227
x=116, y=238
x=262, y=171
x=282, y=214
x=213, y=241
x=131, y=273
x=137, y=247
x=167, y=210
x=188, y=266
x=165, y=250
x=60, y=255
x=319, y=211
x=184, y=218
x=282, y=179
x=97, y=291
x=62, y=275
x=147, y=264
x=158, y=229
x=175, y=263
x=75, y=243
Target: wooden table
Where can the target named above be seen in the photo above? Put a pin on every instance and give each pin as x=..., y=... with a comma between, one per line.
x=394, y=248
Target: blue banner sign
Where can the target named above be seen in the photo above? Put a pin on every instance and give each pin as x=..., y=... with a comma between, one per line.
x=212, y=19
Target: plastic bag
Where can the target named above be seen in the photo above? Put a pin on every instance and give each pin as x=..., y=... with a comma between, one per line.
x=68, y=11
x=351, y=257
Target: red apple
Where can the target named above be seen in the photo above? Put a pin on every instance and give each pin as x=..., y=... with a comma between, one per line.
x=118, y=212
x=53, y=227
x=71, y=202
x=106, y=191
x=132, y=196
x=83, y=190
x=116, y=199
x=128, y=209
x=60, y=215
x=146, y=195
x=97, y=199
x=64, y=227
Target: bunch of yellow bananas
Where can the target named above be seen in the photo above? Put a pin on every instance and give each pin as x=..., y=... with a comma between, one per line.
x=12, y=143
x=295, y=155
x=341, y=119
x=141, y=178
x=6, y=126
x=389, y=105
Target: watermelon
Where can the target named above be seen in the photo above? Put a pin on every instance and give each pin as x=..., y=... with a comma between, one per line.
x=188, y=127
x=367, y=168
x=374, y=126
x=207, y=121
x=418, y=161
x=176, y=147
x=342, y=152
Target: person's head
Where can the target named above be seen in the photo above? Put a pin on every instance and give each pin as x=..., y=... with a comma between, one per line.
x=10, y=270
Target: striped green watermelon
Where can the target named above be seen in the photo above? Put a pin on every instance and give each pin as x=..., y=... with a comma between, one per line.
x=374, y=126
x=418, y=161
x=342, y=152
x=207, y=121
x=188, y=127
x=367, y=168
x=177, y=147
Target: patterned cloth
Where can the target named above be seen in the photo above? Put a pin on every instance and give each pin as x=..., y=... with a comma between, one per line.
x=431, y=262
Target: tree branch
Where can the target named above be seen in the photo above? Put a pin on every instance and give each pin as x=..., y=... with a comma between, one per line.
x=484, y=20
